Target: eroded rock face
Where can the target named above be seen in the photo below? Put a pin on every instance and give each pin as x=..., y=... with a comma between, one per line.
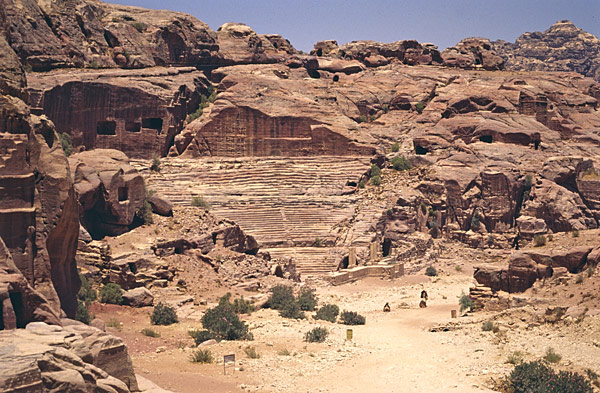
x=562, y=47
x=74, y=358
x=110, y=191
x=38, y=208
x=81, y=33
x=471, y=53
x=137, y=111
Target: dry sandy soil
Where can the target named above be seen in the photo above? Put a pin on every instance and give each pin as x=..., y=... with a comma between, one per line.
x=393, y=352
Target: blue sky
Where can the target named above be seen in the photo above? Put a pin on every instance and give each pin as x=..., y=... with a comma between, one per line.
x=443, y=22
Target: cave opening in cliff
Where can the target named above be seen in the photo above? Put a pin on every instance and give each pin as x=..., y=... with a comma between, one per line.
x=133, y=126
x=486, y=138
x=319, y=52
x=107, y=127
x=16, y=300
x=387, y=247
x=536, y=144
x=420, y=150
x=153, y=123
x=122, y=194
x=344, y=263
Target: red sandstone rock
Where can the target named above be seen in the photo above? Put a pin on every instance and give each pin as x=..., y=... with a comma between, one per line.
x=110, y=191
x=473, y=52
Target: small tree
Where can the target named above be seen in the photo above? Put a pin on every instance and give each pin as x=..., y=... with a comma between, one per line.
x=316, y=335
x=328, y=312
x=352, y=318
x=224, y=323
x=111, y=293
x=86, y=293
x=466, y=303
x=307, y=299
x=280, y=296
x=163, y=315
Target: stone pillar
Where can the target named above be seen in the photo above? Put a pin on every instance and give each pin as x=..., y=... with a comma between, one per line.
x=352, y=258
x=373, y=252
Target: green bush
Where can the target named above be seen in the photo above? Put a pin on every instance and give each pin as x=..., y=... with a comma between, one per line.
x=144, y=214
x=431, y=271
x=163, y=315
x=551, y=356
x=155, y=166
x=307, y=299
x=376, y=180
x=575, y=233
x=198, y=201
x=201, y=356
x=395, y=147
x=401, y=163
x=150, y=332
x=111, y=293
x=539, y=240
x=374, y=171
x=317, y=242
x=82, y=314
x=419, y=106
x=466, y=303
x=538, y=377
x=316, y=335
x=205, y=101
x=328, y=312
x=515, y=358
x=200, y=336
x=490, y=326
x=224, y=323
x=252, y=353
x=361, y=184
x=292, y=310
x=65, y=141
x=352, y=318
x=242, y=306
x=139, y=26
x=280, y=296
x=86, y=293
x=362, y=119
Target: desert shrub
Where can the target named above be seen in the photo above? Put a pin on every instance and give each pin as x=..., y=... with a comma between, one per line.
x=395, y=147
x=155, y=166
x=550, y=237
x=376, y=180
x=316, y=335
x=401, y=163
x=590, y=271
x=551, y=356
x=328, y=312
x=224, y=323
x=475, y=221
x=538, y=377
x=86, y=293
x=163, y=315
x=200, y=336
x=431, y=271
x=490, y=326
x=150, y=332
x=575, y=233
x=307, y=299
x=82, y=314
x=374, y=171
x=466, y=303
x=280, y=296
x=114, y=323
x=292, y=310
x=242, y=306
x=362, y=119
x=458, y=268
x=284, y=352
x=111, y=293
x=144, y=214
x=419, y=106
x=579, y=279
x=252, y=353
x=515, y=358
x=317, y=242
x=94, y=65
x=539, y=240
x=65, y=141
x=139, y=26
x=361, y=184
x=198, y=201
x=201, y=356
x=352, y=318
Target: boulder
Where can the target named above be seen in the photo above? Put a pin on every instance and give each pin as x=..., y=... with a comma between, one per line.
x=530, y=226
x=160, y=205
x=110, y=191
x=138, y=297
